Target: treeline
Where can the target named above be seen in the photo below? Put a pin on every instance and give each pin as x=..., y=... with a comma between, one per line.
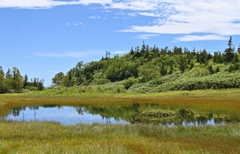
x=13, y=81
x=145, y=63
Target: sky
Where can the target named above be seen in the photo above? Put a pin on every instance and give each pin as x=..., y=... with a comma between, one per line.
x=44, y=37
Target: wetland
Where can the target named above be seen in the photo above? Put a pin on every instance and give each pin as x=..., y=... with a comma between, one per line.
x=205, y=121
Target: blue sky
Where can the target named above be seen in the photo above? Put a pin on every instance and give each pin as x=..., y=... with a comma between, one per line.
x=44, y=37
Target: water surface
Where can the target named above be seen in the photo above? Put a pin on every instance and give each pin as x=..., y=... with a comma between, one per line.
x=71, y=115
x=65, y=115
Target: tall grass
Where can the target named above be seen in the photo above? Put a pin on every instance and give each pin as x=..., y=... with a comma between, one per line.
x=35, y=137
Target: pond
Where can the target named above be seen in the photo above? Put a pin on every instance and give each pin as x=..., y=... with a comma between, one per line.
x=71, y=115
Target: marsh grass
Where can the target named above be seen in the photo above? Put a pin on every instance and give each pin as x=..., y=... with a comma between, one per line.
x=205, y=100
x=44, y=137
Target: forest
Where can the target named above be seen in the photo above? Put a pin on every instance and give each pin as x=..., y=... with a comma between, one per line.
x=14, y=82
x=153, y=69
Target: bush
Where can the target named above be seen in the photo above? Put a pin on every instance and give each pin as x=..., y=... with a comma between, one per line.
x=129, y=82
x=156, y=81
x=102, y=81
x=32, y=88
x=221, y=80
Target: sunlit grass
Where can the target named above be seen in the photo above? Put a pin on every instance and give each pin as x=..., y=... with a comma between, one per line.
x=35, y=137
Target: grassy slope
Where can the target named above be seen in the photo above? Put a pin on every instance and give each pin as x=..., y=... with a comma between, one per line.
x=37, y=137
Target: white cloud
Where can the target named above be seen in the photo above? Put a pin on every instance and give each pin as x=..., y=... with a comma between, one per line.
x=201, y=38
x=186, y=17
x=120, y=13
x=45, y=4
x=75, y=24
x=145, y=36
x=134, y=5
x=94, y=17
x=132, y=14
x=118, y=52
x=149, y=14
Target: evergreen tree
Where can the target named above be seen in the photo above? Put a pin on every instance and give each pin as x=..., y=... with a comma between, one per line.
x=210, y=68
x=9, y=74
x=229, y=52
x=131, y=51
x=25, y=84
x=1, y=71
x=142, y=52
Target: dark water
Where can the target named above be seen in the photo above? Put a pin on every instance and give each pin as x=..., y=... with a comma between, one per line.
x=71, y=115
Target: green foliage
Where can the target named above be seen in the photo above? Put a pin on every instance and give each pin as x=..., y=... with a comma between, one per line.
x=149, y=71
x=210, y=69
x=157, y=81
x=2, y=84
x=58, y=78
x=102, y=81
x=198, y=71
x=129, y=82
x=1, y=71
x=236, y=58
x=229, y=52
x=17, y=80
x=32, y=88
x=221, y=80
x=150, y=64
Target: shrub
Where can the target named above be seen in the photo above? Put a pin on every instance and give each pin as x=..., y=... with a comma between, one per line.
x=220, y=80
x=156, y=81
x=129, y=82
x=31, y=88
x=102, y=81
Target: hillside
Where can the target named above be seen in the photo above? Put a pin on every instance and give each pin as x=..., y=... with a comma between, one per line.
x=151, y=69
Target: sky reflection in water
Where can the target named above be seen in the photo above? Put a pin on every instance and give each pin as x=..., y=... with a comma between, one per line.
x=65, y=115
x=68, y=115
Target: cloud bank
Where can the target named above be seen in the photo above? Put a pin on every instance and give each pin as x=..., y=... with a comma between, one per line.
x=186, y=17
x=46, y=4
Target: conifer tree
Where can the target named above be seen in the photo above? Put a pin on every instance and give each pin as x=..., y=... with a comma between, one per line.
x=229, y=52
x=1, y=71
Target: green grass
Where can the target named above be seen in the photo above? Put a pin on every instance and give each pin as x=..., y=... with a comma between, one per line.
x=36, y=137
